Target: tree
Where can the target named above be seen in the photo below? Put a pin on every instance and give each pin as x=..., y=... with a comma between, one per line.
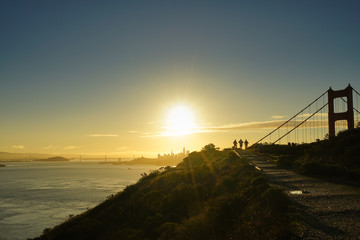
x=326, y=137
x=209, y=147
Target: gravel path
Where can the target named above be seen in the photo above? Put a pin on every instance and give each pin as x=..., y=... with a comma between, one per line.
x=329, y=211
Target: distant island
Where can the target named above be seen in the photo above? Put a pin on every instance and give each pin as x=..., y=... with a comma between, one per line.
x=53, y=159
x=2, y=165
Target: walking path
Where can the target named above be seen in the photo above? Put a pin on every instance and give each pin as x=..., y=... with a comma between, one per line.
x=329, y=211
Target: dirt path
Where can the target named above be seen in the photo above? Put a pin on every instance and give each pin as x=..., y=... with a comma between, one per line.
x=329, y=211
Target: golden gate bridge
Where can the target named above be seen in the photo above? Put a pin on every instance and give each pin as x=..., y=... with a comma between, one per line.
x=331, y=112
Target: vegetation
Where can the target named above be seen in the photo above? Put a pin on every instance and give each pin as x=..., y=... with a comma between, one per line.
x=211, y=194
x=334, y=158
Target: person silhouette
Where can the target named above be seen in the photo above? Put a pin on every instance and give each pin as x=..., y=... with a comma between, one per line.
x=246, y=143
x=240, y=143
x=235, y=144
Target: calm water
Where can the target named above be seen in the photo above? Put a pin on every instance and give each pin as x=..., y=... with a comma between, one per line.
x=35, y=196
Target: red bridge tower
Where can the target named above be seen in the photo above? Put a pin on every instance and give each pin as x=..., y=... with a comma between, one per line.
x=347, y=115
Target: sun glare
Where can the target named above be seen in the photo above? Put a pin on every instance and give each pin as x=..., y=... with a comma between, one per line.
x=180, y=121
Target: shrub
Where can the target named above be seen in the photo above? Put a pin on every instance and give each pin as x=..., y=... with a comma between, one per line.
x=171, y=231
x=285, y=161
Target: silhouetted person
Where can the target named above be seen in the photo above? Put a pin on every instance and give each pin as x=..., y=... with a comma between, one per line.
x=240, y=143
x=235, y=144
x=246, y=143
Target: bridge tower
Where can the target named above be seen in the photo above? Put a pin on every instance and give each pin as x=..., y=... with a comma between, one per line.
x=348, y=115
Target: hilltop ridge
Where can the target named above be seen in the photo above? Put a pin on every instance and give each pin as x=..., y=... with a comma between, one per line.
x=7, y=156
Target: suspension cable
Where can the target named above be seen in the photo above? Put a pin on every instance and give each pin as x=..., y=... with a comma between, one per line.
x=357, y=106
x=291, y=118
x=301, y=123
x=323, y=120
x=310, y=128
x=356, y=91
x=302, y=132
x=316, y=123
x=353, y=106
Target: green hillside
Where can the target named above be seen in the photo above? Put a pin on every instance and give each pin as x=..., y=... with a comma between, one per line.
x=210, y=195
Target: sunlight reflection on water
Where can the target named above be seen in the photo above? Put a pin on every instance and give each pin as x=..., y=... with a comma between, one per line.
x=35, y=196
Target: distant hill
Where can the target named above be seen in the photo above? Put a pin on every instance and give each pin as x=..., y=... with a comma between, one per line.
x=209, y=195
x=53, y=159
x=6, y=156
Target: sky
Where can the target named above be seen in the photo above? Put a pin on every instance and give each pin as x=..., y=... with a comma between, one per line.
x=102, y=77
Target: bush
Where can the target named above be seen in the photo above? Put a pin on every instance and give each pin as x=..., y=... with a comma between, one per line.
x=171, y=231
x=311, y=169
x=285, y=161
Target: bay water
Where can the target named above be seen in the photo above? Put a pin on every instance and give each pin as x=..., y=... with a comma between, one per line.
x=39, y=195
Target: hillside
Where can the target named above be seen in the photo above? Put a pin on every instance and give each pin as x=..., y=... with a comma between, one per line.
x=210, y=195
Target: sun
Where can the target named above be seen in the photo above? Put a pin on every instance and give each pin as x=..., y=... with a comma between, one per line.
x=180, y=120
